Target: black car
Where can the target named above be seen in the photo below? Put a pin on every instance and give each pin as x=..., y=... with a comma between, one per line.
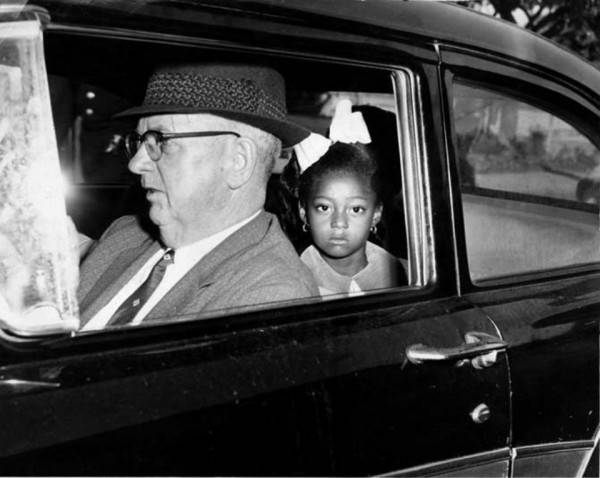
x=485, y=364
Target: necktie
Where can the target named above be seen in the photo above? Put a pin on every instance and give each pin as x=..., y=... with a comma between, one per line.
x=131, y=306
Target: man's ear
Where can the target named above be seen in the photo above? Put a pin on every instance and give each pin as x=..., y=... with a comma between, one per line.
x=377, y=214
x=243, y=162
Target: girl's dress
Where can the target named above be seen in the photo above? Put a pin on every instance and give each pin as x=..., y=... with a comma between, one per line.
x=383, y=270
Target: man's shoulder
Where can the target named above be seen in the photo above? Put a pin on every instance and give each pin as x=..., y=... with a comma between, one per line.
x=266, y=259
x=275, y=248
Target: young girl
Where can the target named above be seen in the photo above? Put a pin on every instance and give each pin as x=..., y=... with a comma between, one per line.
x=340, y=205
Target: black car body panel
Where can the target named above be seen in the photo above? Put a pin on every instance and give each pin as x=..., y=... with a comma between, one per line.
x=312, y=397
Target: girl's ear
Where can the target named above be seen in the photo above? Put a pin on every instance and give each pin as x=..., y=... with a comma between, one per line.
x=302, y=212
x=377, y=214
x=243, y=162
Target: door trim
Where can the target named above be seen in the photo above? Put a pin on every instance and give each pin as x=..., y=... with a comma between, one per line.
x=569, y=458
x=471, y=463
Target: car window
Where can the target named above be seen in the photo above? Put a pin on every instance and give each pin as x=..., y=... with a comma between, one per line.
x=529, y=183
x=91, y=140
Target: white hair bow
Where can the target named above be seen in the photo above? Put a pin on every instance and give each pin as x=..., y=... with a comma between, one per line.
x=346, y=127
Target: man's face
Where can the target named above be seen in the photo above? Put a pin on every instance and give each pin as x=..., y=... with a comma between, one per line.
x=185, y=187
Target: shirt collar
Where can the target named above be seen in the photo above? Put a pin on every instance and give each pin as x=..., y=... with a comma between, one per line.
x=329, y=279
x=196, y=250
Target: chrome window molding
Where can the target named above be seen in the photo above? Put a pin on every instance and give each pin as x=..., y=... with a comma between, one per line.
x=498, y=456
x=554, y=456
x=415, y=175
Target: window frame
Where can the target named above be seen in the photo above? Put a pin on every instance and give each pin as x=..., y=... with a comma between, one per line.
x=537, y=89
x=405, y=83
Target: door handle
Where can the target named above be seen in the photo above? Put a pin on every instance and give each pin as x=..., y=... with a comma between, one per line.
x=14, y=386
x=476, y=344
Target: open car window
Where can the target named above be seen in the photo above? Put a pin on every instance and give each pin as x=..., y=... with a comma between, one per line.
x=101, y=188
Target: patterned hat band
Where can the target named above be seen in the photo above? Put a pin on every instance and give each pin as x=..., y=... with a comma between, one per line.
x=211, y=93
x=250, y=94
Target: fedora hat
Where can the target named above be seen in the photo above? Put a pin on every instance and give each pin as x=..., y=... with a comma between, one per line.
x=254, y=95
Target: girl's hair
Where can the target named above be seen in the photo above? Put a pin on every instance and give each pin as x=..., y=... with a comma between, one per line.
x=342, y=159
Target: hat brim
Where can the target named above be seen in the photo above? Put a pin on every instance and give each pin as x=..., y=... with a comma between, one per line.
x=288, y=132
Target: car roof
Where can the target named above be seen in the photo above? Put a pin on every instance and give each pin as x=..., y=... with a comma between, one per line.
x=442, y=22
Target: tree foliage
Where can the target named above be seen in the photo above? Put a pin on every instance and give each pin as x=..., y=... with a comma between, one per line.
x=572, y=23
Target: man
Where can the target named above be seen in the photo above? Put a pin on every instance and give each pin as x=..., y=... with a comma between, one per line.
x=206, y=141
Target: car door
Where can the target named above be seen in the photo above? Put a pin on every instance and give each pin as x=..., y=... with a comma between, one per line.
x=314, y=395
x=306, y=400
x=526, y=148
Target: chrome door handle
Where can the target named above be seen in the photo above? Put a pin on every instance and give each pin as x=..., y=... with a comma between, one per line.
x=14, y=386
x=477, y=343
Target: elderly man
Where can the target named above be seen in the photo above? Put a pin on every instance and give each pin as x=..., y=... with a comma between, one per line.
x=206, y=141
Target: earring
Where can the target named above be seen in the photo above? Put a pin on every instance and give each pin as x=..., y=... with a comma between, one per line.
x=305, y=227
x=373, y=229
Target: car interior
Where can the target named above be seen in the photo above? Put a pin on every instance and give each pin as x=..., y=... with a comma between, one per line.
x=86, y=94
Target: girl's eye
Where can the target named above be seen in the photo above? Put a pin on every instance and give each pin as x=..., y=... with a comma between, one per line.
x=358, y=209
x=322, y=207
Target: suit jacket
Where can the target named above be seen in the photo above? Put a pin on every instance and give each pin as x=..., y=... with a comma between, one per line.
x=255, y=265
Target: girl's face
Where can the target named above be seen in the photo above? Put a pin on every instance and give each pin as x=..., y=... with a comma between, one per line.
x=340, y=213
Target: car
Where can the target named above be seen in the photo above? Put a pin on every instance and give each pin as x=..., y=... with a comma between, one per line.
x=485, y=364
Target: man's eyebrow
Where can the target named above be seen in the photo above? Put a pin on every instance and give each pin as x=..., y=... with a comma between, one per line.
x=161, y=124
x=161, y=128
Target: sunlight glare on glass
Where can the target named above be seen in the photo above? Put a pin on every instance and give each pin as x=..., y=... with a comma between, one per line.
x=64, y=185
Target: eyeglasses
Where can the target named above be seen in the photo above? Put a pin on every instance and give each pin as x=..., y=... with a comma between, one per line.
x=153, y=140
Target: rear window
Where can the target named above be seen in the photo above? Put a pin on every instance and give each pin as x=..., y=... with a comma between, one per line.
x=530, y=183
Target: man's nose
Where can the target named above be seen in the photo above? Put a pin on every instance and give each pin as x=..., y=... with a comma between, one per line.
x=140, y=162
x=339, y=220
